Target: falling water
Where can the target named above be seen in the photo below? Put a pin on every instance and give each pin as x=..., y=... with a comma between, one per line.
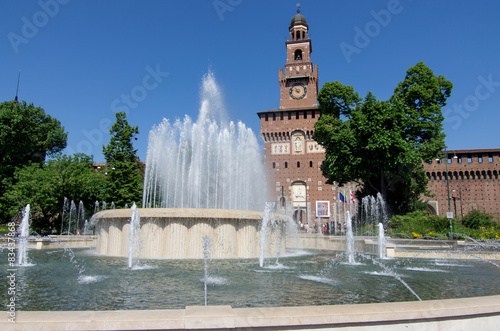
x=85, y=227
x=210, y=163
x=135, y=223
x=381, y=241
x=22, y=245
x=207, y=244
x=374, y=210
x=349, y=238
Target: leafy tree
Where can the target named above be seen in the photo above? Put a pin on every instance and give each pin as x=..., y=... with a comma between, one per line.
x=124, y=180
x=381, y=144
x=27, y=135
x=44, y=187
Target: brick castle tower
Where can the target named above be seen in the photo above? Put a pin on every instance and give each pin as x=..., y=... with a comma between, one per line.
x=291, y=157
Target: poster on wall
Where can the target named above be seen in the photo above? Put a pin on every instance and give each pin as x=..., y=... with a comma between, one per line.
x=322, y=208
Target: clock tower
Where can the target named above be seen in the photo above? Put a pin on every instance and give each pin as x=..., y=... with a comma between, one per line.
x=299, y=79
x=292, y=158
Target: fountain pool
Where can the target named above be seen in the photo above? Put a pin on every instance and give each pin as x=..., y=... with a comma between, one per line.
x=302, y=278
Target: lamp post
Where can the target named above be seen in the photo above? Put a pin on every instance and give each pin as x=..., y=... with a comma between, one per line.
x=448, y=187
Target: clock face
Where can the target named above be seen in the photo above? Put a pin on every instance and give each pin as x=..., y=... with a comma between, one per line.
x=298, y=91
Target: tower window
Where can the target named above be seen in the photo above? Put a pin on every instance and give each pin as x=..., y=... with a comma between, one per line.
x=298, y=55
x=289, y=115
x=298, y=164
x=267, y=118
x=286, y=164
x=310, y=164
x=274, y=165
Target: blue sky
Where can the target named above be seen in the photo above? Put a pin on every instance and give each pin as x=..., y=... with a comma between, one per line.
x=83, y=60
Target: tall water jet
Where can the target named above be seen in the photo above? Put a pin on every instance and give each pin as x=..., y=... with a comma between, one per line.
x=210, y=163
x=81, y=216
x=349, y=238
x=267, y=220
x=133, y=244
x=207, y=244
x=73, y=211
x=64, y=213
x=381, y=241
x=22, y=245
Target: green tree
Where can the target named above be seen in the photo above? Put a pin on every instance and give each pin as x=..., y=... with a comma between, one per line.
x=381, y=144
x=27, y=135
x=45, y=186
x=124, y=180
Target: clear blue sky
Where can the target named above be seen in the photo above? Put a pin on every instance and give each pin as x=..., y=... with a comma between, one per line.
x=79, y=60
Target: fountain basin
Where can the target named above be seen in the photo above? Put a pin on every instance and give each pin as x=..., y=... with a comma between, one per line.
x=177, y=233
x=479, y=313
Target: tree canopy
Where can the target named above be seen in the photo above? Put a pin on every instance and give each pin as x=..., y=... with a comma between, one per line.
x=381, y=144
x=124, y=179
x=27, y=136
x=44, y=187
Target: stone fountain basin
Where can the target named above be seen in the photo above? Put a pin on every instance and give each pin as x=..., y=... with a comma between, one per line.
x=177, y=233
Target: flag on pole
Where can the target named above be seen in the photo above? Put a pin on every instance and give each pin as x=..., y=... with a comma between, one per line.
x=341, y=197
x=352, y=197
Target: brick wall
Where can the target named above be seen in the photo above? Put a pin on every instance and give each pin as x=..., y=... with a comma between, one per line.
x=473, y=181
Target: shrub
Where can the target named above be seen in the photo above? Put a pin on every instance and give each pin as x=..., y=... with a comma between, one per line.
x=477, y=219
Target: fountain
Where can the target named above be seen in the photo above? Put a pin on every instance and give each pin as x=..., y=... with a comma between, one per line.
x=133, y=246
x=381, y=241
x=202, y=178
x=210, y=163
x=207, y=244
x=349, y=239
x=24, y=233
x=198, y=205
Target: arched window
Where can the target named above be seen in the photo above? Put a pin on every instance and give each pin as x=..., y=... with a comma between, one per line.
x=298, y=55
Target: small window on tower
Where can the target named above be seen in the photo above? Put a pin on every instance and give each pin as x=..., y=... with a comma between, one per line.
x=286, y=164
x=298, y=164
x=298, y=55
